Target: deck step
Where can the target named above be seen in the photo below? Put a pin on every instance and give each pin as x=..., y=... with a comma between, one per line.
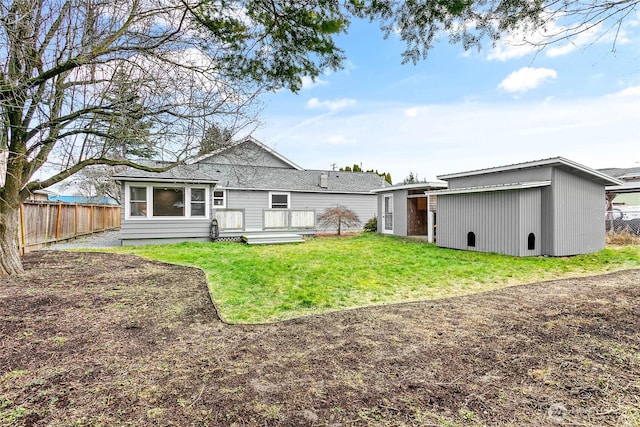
x=271, y=238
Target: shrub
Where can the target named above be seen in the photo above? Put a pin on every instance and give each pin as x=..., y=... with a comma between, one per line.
x=371, y=226
x=337, y=218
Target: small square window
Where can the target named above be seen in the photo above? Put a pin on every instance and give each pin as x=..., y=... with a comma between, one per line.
x=279, y=201
x=218, y=198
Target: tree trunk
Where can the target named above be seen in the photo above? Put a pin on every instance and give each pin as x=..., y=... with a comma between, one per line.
x=10, y=262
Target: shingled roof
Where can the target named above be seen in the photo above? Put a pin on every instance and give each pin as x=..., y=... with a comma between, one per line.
x=262, y=178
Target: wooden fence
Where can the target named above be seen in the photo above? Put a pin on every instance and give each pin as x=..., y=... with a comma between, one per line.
x=44, y=223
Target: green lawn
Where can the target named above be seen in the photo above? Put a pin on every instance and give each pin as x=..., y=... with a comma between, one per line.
x=253, y=284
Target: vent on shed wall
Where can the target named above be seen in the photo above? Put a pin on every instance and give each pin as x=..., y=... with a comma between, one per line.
x=471, y=239
x=531, y=242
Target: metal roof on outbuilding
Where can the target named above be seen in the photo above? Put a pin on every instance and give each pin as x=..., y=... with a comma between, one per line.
x=567, y=164
x=490, y=188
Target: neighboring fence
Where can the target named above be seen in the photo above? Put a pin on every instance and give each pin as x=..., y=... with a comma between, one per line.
x=44, y=223
x=623, y=220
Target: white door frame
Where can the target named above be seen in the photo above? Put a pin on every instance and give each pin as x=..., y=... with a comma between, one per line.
x=387, y=213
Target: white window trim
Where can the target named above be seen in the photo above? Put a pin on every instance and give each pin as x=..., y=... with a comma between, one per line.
x=224, y=198
x=279, y=193
x=187, y=201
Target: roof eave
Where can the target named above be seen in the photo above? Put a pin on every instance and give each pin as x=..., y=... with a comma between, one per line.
x=603, y=178
x=491, y=188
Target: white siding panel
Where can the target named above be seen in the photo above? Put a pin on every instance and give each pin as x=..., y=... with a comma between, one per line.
x=303, y=219
x=276, y=218
x=230, y=219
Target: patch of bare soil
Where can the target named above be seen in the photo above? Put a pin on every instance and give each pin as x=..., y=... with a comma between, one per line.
x=106, y=339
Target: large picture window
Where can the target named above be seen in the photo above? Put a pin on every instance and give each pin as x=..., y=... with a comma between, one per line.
x=168, y=201
x=171, y=201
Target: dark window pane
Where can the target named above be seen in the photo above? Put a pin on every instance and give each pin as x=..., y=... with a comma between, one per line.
x=279, y=201
x=168, y=202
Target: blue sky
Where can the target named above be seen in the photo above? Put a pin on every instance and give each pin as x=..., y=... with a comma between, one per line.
x=458, y=111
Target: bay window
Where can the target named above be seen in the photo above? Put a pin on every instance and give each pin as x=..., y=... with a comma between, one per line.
x=170, y=201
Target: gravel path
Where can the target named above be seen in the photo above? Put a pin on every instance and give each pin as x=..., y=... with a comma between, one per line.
x=105, y=239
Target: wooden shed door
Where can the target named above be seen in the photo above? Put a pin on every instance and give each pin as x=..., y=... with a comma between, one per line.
x=417, y=216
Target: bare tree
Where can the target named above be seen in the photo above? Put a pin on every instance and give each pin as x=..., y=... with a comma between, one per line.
x=74, y=71
x=102, y=82
x=338, y=217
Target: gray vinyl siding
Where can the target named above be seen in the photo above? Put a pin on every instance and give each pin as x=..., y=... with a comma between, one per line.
x=255, y=202
x=252, y=202
x=364, y=205
x=579, y=215
x=547, y=220
x=530, y=221
x=506, y=177
x=151, y=228
x=399, y=212
x=494, y=218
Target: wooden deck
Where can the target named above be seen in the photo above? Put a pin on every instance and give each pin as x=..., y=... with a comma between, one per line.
x=271, y=238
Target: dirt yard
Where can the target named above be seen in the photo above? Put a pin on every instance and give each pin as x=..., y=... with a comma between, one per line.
x=113, y=340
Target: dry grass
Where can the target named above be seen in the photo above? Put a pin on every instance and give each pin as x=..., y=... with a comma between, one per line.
x=622, y=238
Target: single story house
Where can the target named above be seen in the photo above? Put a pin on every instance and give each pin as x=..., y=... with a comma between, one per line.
x=406, y=210
x=242, y=189
x=552, y=207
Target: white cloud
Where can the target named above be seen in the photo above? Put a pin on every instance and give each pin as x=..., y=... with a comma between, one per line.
x=633, y=91
x=309, y=83
x=436, y=139
x=334, y=105
x=526, y=78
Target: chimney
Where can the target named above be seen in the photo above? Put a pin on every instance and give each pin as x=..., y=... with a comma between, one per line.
x=324, y=178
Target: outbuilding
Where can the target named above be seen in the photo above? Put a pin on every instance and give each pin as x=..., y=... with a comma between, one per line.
x=552, y=207
x=406, y=210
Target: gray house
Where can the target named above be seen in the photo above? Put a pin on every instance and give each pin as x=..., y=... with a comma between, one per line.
x=246, y=188
x=406, y=210
x=550, y=207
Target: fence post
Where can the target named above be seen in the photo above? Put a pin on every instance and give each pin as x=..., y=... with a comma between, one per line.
x=91, y=227
x=75, y=219
x=22, y=232
x=58, y=217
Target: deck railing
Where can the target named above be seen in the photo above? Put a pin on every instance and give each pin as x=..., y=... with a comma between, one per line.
x=279, y=219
